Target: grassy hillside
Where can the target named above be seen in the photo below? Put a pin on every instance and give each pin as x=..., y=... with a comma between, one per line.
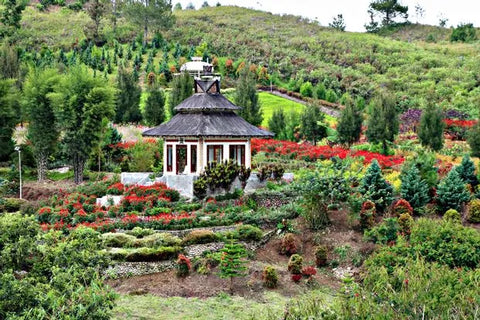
x=296, y=50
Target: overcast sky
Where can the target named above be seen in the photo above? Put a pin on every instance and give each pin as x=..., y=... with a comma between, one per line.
x=355, y=11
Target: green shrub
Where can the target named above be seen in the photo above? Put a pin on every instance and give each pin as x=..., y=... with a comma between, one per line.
x=375, y=188
x=11, y=204
x=288, y=245
x=413, y=188
x=247, y=232
x=152, y=254
x=384, y=233
x=452, y=192
x=295, y=264
x=402, y=207
x=474, y=211
x=118, y=240
x=453, y=216
x=306, y=89
x=140, y=232
x=270, y=277
x=367, y=215
x=464, y=32
x=158, y=240
x=199, y=236
x=321, y=254
x=405, y=221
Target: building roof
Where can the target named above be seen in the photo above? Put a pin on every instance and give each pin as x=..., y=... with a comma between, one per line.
x=207, y=124
x=206, y=101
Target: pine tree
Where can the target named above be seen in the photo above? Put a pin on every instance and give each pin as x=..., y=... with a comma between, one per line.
x=155, y=106
x=349, y=126
x=414, y=189
x=233, y=262
x=311, y=126
x=182, y=88
x=277, y=124
x=42, y=127
x=466, y=171
x=246, y=97
x=375, y=188
x=452, y=192
x=81, y=102
x=474, y=140
x=128, y=98
x=431, y=128
x=383, y=120
x=8, y=117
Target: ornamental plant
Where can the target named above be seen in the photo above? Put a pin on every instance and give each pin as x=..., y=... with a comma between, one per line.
x=414, y=189
x=270, y=277
x=474, y=211
x=367, y=215
x=183, y=266
x=402, y=206
x=232, y=262
x=375, y=188
x=466, y=171
x=288, y=245
x=452, y=192
x=405, y=221
x=295, y=264
x=453, y=216
x=321, y=253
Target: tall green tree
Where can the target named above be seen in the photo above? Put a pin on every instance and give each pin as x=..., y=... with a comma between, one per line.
x=155, y=106
x=383, y=120
x=246, y=97
x=8, y=117
x=431, y=128
x=338, y=23
x=473, y=139
x=96, y=10
x=233, y=261
x=155, y=14
x=182, y=88
x=10, y=16
x=311, y=124
x=349, y=125
x=42, y=127
x=278, y=124
x=387, y=11
x=128, y=98
x=81, y=102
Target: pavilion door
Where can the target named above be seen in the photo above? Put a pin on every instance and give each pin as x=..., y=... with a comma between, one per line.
x=181, y=158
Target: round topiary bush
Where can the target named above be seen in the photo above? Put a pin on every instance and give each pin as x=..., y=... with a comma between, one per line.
x=295, y=264
x=248, y=232
x=270, y=277
x=452, y=215
x=183, y=266
x=474, y=211
x=288, y=245
x=321, y=253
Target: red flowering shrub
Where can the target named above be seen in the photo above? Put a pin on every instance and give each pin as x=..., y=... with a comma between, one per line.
x=402, y=206
x=308, y=152
x=309, y=271
x=183, y=266
x=296, y=277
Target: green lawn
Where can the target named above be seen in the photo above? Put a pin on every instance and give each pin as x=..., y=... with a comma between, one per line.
x=220, y=307
x=270, y=102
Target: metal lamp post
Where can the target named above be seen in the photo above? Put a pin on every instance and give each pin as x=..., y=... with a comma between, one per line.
x=17, y=148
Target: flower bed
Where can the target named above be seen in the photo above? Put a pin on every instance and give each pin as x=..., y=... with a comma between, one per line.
x=308, y=152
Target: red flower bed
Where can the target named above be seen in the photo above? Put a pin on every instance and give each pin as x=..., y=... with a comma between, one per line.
x=306, y=151
x=129, y=144
x=459, y=123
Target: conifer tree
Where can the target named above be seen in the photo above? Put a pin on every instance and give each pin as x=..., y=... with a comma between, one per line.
x=246, y=97
x=182, y=88
x=375, y=188
x=81, y=102
x=128, y=98
x=452, y=192
x=155, y=106
x=311, y=126
x=466, y=171
x=383, y=120
x=349, y=126
x=431, y=128
x=278, y=124
x=414, y=189
x=473, y=140
x=233, y=262
x=8, y=117
x=42, y=127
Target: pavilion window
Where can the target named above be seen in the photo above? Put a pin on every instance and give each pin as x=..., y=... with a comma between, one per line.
x=237, y=153
x=215, y=153
x=169, y=158
x=193, y=159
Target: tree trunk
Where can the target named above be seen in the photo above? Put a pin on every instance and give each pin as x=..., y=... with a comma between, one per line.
x=231, y=286
x=385, y=147
x=145, y=33
x=78, y=164
x=41, y=167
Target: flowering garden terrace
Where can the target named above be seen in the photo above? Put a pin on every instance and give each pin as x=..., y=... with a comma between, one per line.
x=156, y=207
x=306, y=151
